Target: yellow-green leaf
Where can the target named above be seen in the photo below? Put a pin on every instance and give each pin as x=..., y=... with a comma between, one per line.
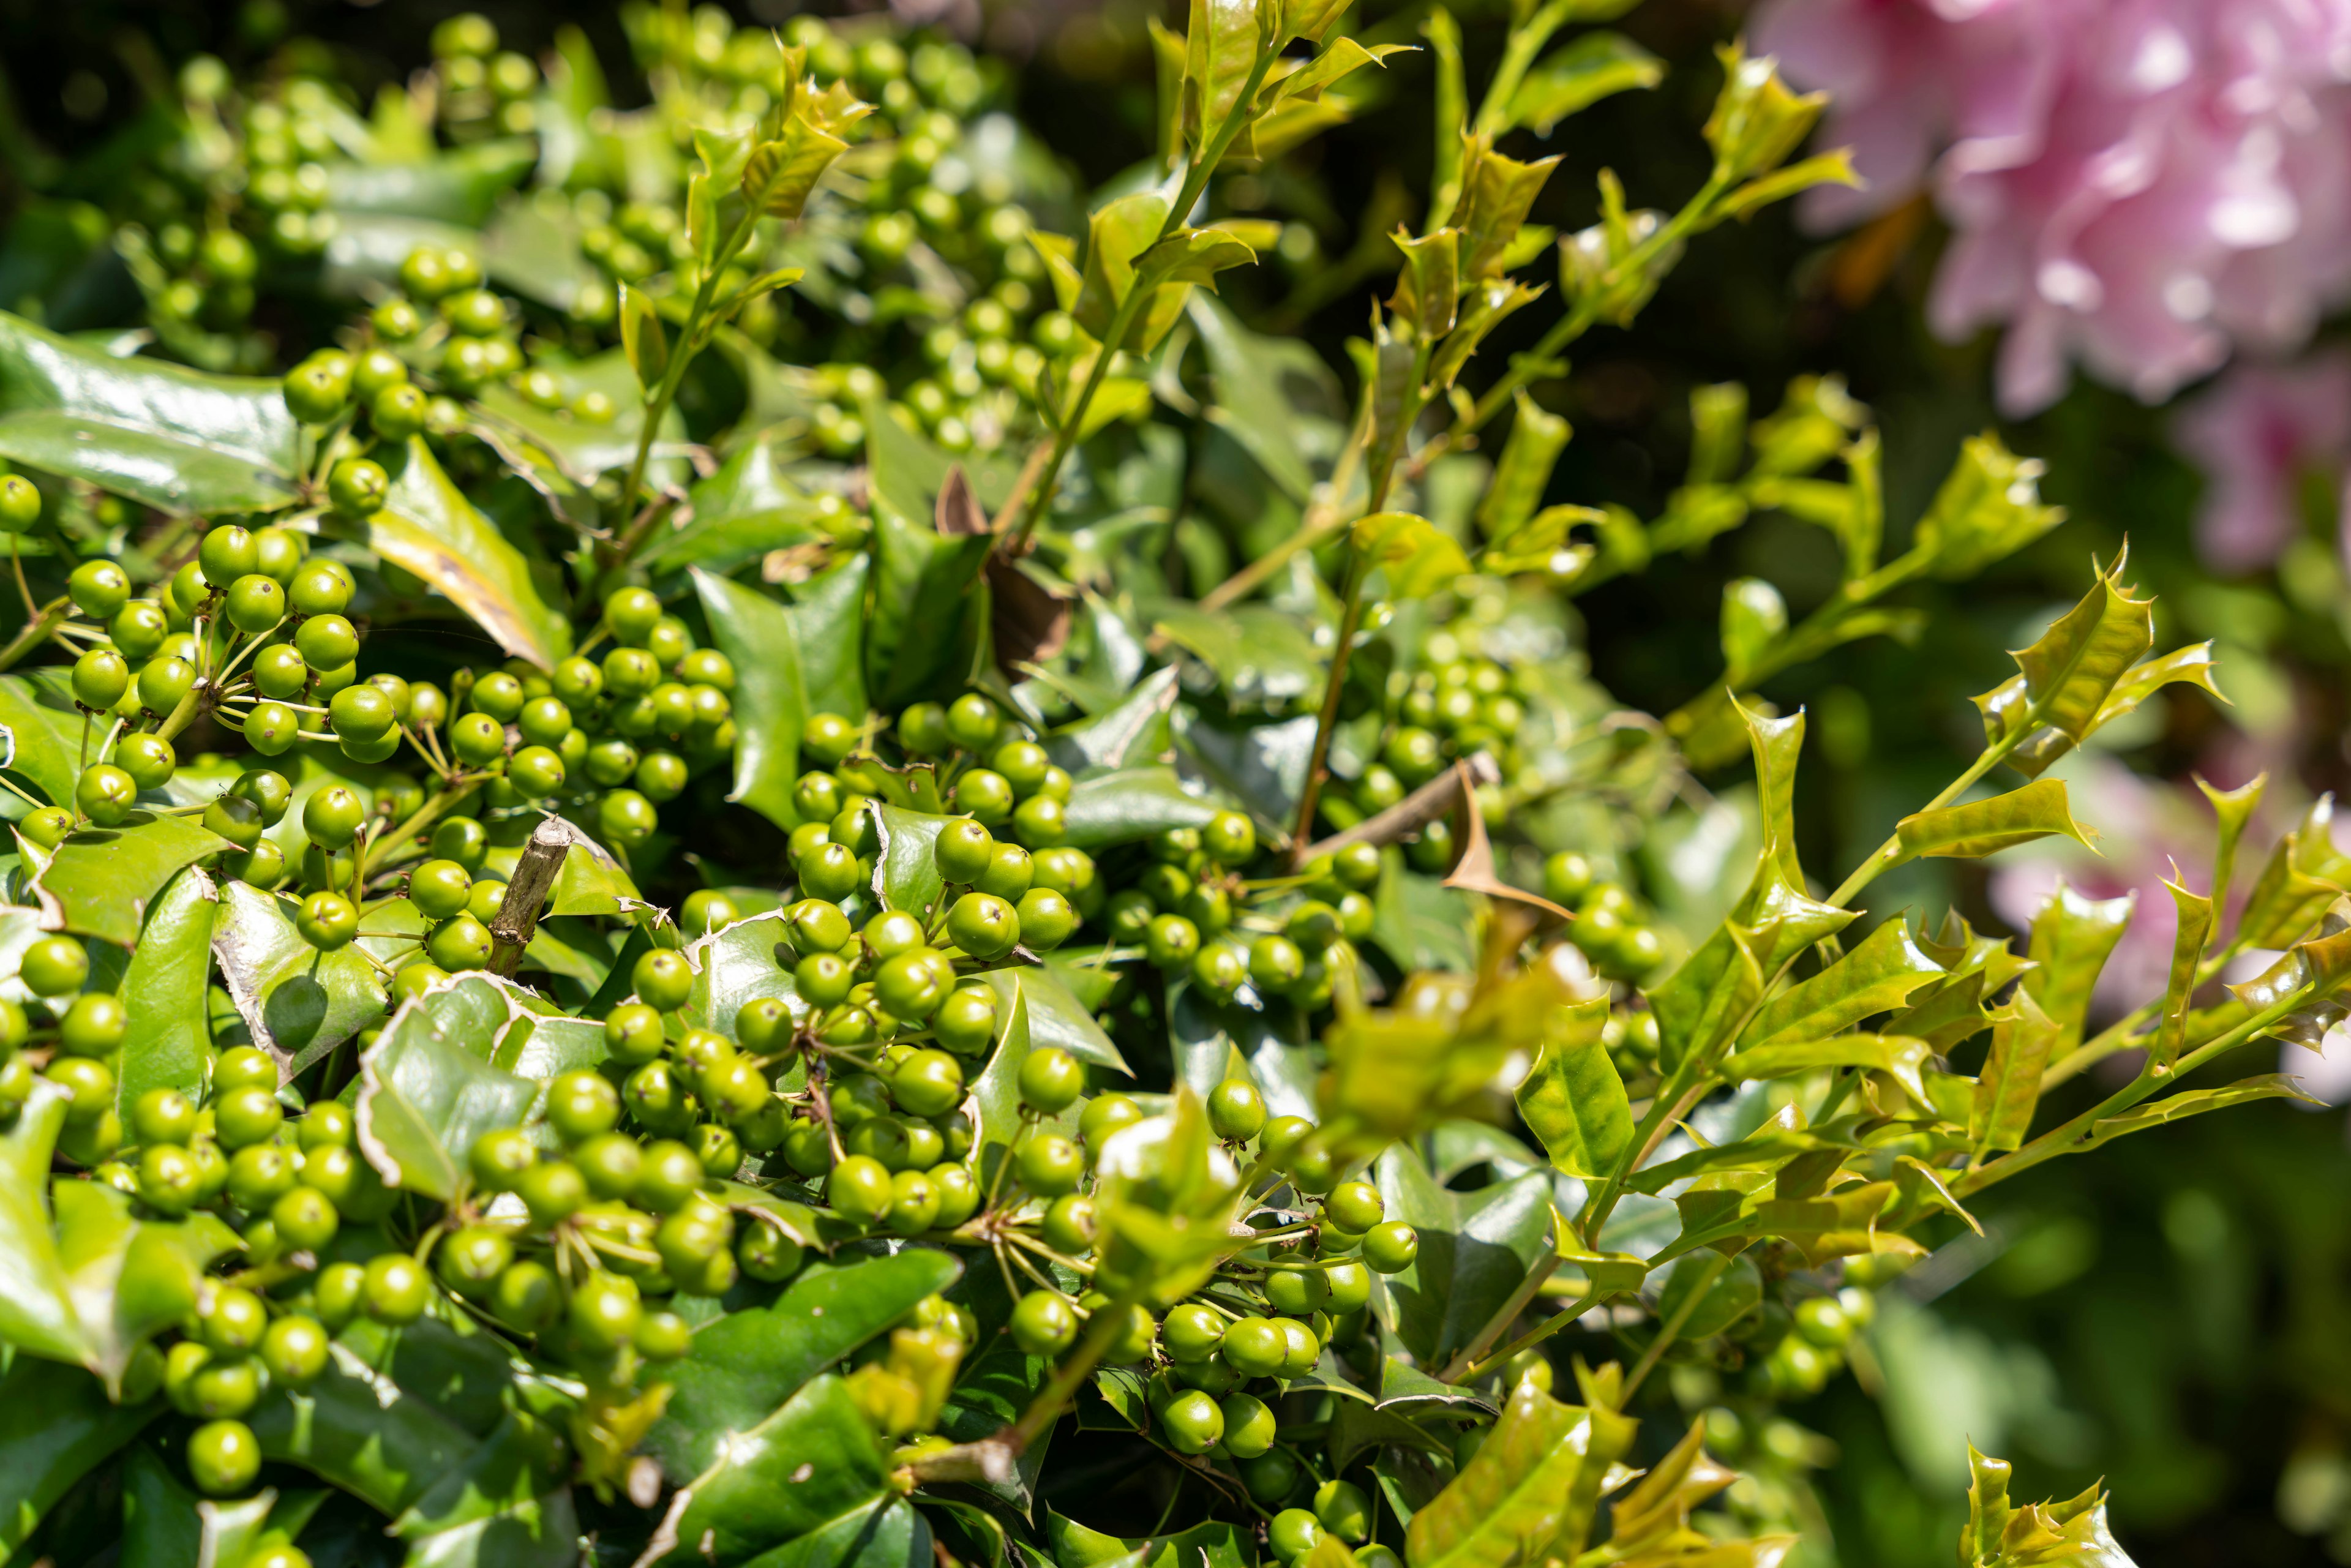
x=429, y=528
x=1573, y=1099
x=2072, y=669
x=2072, y=936
x=2008, y=1088
x=1983, y=828
x=1877, y=976
x=1418, y=557
x=642, y=338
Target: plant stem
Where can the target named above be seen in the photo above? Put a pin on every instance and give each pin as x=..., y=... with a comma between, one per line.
x=1672, y=1327
x=689, y=343
x=1349, y=620
x=37, y=631
x=1196, y=174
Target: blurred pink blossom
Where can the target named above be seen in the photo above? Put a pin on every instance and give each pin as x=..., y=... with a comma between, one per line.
x=2142, y=185
x=2257, y=434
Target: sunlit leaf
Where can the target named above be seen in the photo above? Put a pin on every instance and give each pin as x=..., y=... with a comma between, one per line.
x=1575, y=1100
x=1983, y=828
x=176, y=439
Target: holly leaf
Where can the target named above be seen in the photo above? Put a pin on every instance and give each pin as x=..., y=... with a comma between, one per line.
x=1575, y=1100
x=1533, y=1487
x=428, y=1089
x=165, y=1041
x=736, y=965
x=1569, y=80
x=755, y=634
x=298, y=1002
x=1981, y=828
x=812, y=1467
x=427, y=527
x=56, y=1425
x=1877, y=976
x=748, y=1363
x=1475, y=1250
x=1131, y=804
x=104, y=878
x=2073, y=667
x=176, y=439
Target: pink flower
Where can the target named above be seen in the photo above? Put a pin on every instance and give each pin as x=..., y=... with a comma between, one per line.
x=2257, y=432
x=2140, y=186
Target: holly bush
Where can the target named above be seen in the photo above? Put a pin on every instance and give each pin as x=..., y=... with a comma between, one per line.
x=737, y=837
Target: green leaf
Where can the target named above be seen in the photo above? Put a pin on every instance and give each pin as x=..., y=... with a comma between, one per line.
x=1117, y=235
x=1532, y=1489
x=554, y=448
x=1988, y=507
x=36, y=1311
x=906, y=871
x=1275, y=396
x=743, y=511
x=2190, y=937
x=1575, y=1100
x=1220, y=45
x=160, y=1527
x=780, y=176
x=813, y=1463
x=755, y=634
x=1213, y=1544
x=1754, y=617
x=1429, y=290
x=748, y=1363
x=1191, y=255
x=44, y=744
x=1572, y=80
x=1130, y=804
x=1495, y=197
x=129, y=1280
x=1056, y=1017
x=1475, y=1250
x=1524, y=472
x=2069, y=672
x=505, y=1505
x=736, y=964
x=1135, y=733
x=428, y=527
x=828, y=615
x=2072, y=936
x=1983, y=828
x=1877, y=976
x=1832, y=168
x=1418, y=921
x=104, y=878
x=1257, y=653
x=364, y=1433
x=458, y=186
x=428, y=1089
x=166, y=1042
x=2008, y=1088
x=1705, y=1000
x=2195, y=1102
x=1212, y=1044
x=298, y=1001
x=1898, y=1056
x=176, y=439
x=923, y=595
x=642, y=339
x=2303, y=875
x=56, y=1425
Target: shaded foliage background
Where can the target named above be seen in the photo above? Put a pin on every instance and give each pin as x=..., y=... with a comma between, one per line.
x=2174, y=1315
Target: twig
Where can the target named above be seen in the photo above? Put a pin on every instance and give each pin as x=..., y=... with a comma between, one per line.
x=1435, y=798
x=533, y=877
